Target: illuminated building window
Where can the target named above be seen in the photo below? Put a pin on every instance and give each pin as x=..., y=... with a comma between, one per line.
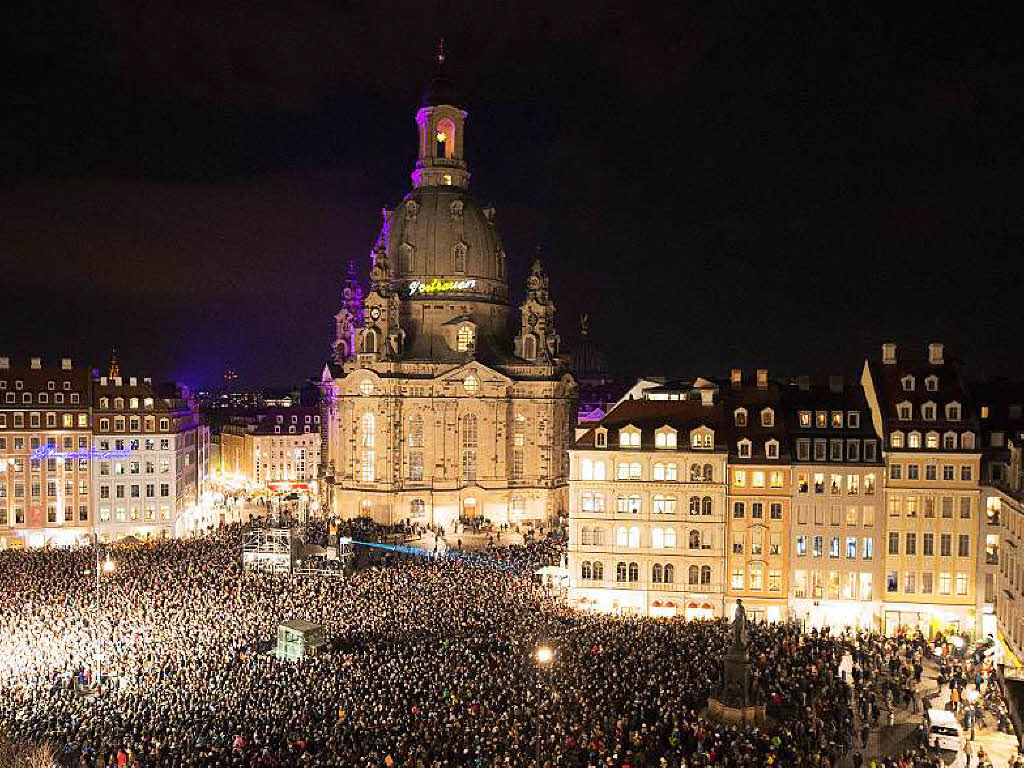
x=914, y=440
x=771, y=449
x=805, y=419
x=465, y=339
x=767, y=417
x=444, y=139
x=459, y=258
x=743, y=449
x=665, y=438
x=470, y=440
x=471, y=384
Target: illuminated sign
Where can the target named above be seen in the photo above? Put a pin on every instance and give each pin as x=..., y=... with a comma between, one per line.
x=51, y=452
x=288, y=486
x=440, y=286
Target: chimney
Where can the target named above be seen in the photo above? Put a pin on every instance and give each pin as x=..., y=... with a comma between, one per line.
x=889, y=353
x=36, y=363
x=762, y=378
x=736, y=377
x=935, y=354
x=5, y=363
x=803, y=383
x=835, y=383
x=65, y=363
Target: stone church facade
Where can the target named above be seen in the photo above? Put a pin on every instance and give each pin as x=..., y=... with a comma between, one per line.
x=442, y=400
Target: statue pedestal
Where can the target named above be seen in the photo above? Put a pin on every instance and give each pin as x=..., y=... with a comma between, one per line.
x=736, y=702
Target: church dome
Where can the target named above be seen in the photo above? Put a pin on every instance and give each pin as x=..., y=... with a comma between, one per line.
x=442, y=233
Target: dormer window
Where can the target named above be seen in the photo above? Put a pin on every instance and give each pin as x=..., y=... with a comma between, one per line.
x=702, y=438
x=805, y=419
x=820, y=419
x=771, y=449
x=601, y=437
x=896, y=439
x=118, y=403
x=908, y=383
x=914, y=440
x=953, y=411
x=853, y=419
x=767, y=417
x=928, y=411
x=740, y=417
x=665, y=438
x=743, y=449
x=967, y=441
x=931, y=440
x=629, y=437
x=104, y=402
x=904, y=411
x=837, y=419
x=949, y=441
x=931, y=383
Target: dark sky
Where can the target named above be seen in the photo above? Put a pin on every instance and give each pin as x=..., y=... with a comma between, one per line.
x=780, y=185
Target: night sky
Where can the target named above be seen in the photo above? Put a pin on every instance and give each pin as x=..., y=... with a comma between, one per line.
x=781, y=185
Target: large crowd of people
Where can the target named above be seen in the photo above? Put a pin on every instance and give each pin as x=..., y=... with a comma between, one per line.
x=428, y=664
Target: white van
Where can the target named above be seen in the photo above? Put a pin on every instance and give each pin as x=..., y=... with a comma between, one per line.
x=943, y=730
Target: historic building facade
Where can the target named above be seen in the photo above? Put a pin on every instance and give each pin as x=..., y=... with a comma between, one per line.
x=759, y=493
x=442, y=400
x=44, y=499
x=277, y=446
x=837, y=506
x=932, y=492
x=647, y=509
x=151, y=486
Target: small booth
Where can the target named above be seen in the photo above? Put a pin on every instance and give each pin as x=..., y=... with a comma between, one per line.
x=297, y=637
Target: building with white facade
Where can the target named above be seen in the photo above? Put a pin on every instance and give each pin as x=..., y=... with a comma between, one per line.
x=647, y=509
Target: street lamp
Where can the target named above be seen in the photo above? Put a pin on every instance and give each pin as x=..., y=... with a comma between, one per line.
x=972, y=698
x=544, y=656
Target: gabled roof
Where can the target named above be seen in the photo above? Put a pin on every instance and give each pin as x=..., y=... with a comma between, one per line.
x=650, y=415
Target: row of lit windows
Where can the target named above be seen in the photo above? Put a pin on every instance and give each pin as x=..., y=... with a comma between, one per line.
x=928, y=544
x=755, y=578
x=931, y=472
x=739, y=510
x=135, y=444
x=753, y=542
x=20, y=385
x=35, y=420
x=19, y=443
x=776, y=478
x=134, y=467
x=767, y=417
x=931, y=440
x=835, y=484
x=131, y=513
x=832, y=450
x=17, y=514
x=929, y=411
x=925, y=505
x=910, y=584
x=42, y=399
x=134, y=424
x=854, y=515
x=18, y=465
x=836, y=586
x=835, y=549
x=135, y=491
x=630, y=573
x=597, y=470
x=827, y=419
x=664, y=438
x=133, y=403
x=37, y=488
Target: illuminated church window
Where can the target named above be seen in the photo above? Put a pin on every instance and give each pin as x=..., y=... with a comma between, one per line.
x=466, y=339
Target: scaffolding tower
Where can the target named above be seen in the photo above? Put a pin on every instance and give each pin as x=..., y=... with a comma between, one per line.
x=269, y=549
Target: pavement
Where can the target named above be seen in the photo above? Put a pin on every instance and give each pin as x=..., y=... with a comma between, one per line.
x=885, y=741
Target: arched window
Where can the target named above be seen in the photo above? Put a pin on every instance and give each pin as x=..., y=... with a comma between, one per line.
x=405, y=261
x=368, y=439
x=705, y=574
x=967, y=441
x=370, y=342
x=670, y=573
x=530, y=347
x=444, y=139
x=695, y=473
x=705, y=505
x=694, y=539
x=656, y=573
x=465, y=339
x=634, y=572
x=670, y=538
x=620, y=571
x=634, y=536
x=657, y=538
x=470, y=439
x=695, y=505
x=598, y=571
x=459, y=258
x=709, y=473
x=585, y=570
x=499, y=264
x=692, y=574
